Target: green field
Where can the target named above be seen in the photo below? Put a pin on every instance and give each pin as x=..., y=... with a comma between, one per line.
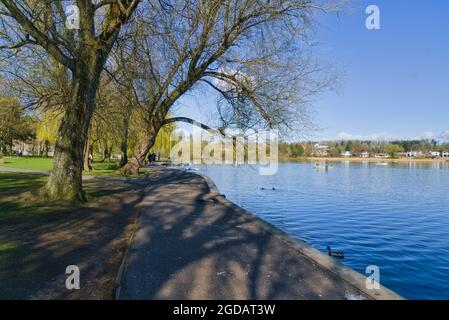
x=31, y=163
x=14, y=183
x=104, y=169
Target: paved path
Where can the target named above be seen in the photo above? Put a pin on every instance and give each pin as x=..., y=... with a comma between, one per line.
x=192, y=245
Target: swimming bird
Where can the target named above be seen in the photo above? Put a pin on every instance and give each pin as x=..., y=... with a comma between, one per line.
x=335, y=254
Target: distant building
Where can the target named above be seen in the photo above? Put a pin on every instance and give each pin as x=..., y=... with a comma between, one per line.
x=30, y=148
x=22, y=147
x=413, y=154
x=445, y=154
x=365, y=154
x=381, y=155
x=434, y=154
x=346, y=154
x=320, y=150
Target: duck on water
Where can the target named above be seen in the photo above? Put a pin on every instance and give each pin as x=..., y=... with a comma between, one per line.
x=335, y=254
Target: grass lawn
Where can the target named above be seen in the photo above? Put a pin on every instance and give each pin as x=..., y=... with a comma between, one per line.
x=10, y=181
x=19, y=200
x=31, y=163
x=103, y=169
x=39, y=238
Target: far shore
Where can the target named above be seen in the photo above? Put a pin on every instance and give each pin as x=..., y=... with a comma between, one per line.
x=359, y=159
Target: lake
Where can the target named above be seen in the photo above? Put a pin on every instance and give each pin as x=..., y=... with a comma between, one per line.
x=394, y=216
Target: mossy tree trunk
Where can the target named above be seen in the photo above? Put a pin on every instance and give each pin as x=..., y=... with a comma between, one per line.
x=133, y=166
x=65, y=180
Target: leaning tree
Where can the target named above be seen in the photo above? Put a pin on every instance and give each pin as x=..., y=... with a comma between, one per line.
x=83, y=53
x=251, y=52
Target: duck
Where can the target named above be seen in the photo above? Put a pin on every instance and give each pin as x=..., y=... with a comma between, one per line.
x=335, y=254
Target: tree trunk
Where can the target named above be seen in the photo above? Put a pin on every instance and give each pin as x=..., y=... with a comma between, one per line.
x=65, y=180
x=86, y=162
x=46, y=148
x=138, y=161
x=104, y=152
x=107, y=152
x=124, y=143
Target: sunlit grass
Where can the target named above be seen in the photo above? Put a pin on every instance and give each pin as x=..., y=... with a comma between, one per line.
x=30, y=163
x=102, y=169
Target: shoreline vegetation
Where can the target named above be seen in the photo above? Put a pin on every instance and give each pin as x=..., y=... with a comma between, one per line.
x=360, y=159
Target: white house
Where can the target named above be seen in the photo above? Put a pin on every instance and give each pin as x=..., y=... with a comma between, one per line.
x=434, y=154
x=346, y=154
x=445, y=154
x=320, y=150
x=413, y=154
x=380, y=155
x=365, y=154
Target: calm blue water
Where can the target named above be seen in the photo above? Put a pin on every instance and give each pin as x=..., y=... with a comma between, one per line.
x=395, y=217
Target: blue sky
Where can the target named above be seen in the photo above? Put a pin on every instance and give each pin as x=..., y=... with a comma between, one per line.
x=394, y=81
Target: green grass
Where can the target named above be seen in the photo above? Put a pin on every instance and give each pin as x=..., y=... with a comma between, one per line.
x=31, y=163
x=20, y=201
x=11, y=252
x=102, y=169
x=105, y=169
x=13, y=204
x=22, y=211
x=24, y=181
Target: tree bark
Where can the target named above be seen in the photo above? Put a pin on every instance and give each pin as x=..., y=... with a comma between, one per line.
x=124, y=143
x=86, y=163
x=133, y=166
x=46, y=148
x=65, y=180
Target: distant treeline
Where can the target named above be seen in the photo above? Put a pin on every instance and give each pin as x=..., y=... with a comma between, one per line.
x=356, y=148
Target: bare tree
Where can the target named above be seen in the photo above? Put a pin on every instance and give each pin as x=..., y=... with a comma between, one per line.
x=249, y=51
x=83, y=54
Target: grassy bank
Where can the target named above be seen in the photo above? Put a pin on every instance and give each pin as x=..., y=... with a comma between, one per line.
x=38, y=238
x=30, y=163
x=103, y=169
